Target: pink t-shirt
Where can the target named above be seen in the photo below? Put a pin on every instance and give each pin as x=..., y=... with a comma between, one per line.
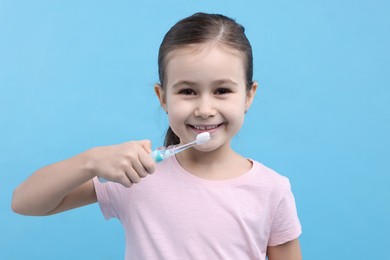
x=173, y=214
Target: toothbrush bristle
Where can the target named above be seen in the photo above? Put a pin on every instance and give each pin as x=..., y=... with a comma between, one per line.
x=203, y=138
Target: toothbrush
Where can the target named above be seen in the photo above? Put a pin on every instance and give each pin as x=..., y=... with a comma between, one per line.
x=160, y=154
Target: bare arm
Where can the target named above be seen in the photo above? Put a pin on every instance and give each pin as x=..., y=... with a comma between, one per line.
x=288, y=251
x=68, y=184
x=43, y=191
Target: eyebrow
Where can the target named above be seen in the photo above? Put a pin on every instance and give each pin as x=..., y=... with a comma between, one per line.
x=194, y=84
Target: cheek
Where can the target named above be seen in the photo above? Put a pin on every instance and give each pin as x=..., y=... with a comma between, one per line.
x=236, y=118
x=177, y=112
x=235, y=107
x=235, y=113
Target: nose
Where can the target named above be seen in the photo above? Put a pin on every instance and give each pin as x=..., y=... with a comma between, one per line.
x=205, y=108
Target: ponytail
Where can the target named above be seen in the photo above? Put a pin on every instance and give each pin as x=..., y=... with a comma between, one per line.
x=171, y=138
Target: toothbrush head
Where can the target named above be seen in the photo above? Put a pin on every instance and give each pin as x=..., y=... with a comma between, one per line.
x=203, y=138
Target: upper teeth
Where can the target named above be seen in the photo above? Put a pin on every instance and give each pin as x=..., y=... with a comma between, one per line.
x=206, y=127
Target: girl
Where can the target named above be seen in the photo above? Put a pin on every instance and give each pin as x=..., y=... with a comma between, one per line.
x=207, y=202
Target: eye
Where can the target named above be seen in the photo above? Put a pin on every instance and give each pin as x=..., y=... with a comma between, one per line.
x=187, y=91
x=222, y=91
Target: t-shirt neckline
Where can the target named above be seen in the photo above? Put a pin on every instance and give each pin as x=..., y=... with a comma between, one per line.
x=244, y=178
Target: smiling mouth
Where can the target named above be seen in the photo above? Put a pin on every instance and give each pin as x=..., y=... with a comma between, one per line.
x=205, y=127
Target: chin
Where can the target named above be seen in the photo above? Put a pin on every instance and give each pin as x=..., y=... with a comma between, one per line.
x=205, y=148
x=209, y=147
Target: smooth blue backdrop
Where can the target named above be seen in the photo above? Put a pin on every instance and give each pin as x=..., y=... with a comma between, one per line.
x=77, y=74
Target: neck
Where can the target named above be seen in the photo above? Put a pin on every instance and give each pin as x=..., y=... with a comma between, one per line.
x=216, y=156
x=222, y=163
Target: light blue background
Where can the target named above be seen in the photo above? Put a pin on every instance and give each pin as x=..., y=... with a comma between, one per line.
x=77, y=74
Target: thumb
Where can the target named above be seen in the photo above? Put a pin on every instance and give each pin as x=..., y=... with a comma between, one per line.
x=147, y=145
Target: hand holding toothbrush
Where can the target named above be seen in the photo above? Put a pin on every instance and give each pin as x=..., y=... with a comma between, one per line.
x=124, y=163
x=159, y=155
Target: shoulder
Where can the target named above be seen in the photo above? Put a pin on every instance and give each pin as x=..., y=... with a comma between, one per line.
x=270, y=179
x=266, y=174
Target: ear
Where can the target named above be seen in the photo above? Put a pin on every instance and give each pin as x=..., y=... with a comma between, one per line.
x=161, y=96
x=250, y=95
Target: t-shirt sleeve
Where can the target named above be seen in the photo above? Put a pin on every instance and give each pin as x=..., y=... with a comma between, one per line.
x=285, y=225
x=105, y=198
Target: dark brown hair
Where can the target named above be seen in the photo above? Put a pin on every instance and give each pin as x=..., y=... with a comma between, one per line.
x=203, y=28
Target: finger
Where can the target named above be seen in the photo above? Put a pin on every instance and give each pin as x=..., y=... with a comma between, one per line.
x=133, y=176
x=147, y=163
x=147, y=145
x=124, y=180
x=139, y=168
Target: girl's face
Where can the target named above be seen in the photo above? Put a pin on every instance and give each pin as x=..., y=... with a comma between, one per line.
x=205, y=91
